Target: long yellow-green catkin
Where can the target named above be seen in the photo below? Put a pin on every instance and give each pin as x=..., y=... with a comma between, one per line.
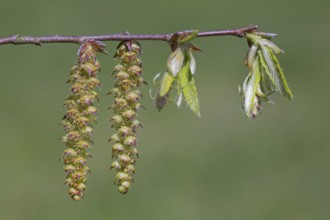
x=127, y=75
x=80, y=116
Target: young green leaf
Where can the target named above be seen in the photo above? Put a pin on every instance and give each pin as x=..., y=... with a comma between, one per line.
x=251, y=102
x=186, y=84
x=276, y=72
x=175, y=61
x=284, y=85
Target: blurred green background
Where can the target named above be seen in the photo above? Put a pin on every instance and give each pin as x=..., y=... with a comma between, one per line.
x=222, y=166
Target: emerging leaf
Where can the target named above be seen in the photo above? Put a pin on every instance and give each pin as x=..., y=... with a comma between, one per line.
x=181, y=67
x=175, y=61
x=265, y=73
x=276, y=72
x=284, y=85
x=251, y=101
x=186, y=84
x=251, y=56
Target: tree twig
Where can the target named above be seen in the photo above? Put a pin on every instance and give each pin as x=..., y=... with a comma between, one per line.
x=38, y=40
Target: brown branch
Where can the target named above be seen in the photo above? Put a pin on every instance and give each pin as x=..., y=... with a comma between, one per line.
x=18, y=39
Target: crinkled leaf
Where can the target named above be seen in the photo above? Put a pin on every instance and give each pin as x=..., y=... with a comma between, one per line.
x=276, y=72
x=265, y=71
x=265, y=84
x=186, y=83
x=273, y=73
x=284, y=85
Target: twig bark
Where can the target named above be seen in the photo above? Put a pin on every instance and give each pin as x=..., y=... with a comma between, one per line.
x=38, y=40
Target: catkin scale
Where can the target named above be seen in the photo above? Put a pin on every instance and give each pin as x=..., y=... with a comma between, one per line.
x=127, y=80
